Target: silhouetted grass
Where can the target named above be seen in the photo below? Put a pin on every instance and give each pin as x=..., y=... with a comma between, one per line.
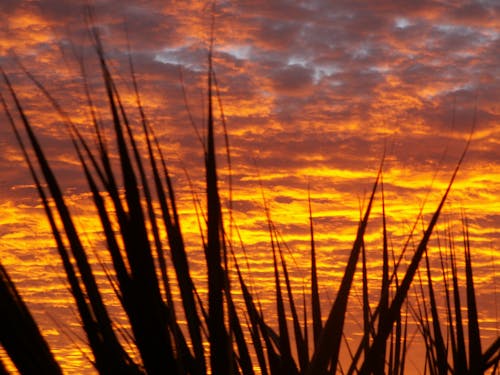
x=239, y=336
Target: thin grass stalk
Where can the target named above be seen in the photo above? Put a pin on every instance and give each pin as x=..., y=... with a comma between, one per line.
x=495, y=365
x=348, y=347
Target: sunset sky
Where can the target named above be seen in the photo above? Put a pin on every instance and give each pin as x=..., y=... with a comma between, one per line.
x=312, y=93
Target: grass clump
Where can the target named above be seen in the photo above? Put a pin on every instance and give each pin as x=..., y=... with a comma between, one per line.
x=222, y=336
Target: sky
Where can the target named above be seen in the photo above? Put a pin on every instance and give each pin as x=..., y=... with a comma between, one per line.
x=313, y=93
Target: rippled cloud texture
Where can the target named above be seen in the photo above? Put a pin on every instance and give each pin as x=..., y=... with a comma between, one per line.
x=313, y=92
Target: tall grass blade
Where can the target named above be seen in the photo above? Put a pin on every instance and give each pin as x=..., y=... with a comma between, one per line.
x=3, y=368
x=394, y=309
x=175, y=238
x=475, y=352
x=461, y=357
x=244, y=360
x=367, y=326
x=179, y=260
x=315, y=299
x=329, y=344
x=441, y=354
x=397, y=344
x=113, y=247
x=255, y=320
x=306, y=324
x=384, y=292
x=399, y=370
x=109, y=353
x=422, y=318
x=73, y=130
x=148, y=315
x=20, y=335
x=303, y=355
x=220, y=357
x=88, y=322
x=491, y=356
x=451, y=327
x=287, y=363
